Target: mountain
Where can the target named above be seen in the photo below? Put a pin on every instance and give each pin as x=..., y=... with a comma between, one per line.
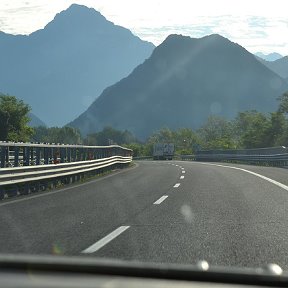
x=183, y=82
x=58, y=70
x=269, y=57
x=35, y=121
x=279, y=66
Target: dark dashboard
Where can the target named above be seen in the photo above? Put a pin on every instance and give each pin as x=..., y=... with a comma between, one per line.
x=54, y=271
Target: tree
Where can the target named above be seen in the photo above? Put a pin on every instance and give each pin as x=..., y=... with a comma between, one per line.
x=164, y=135
x=253, y=128
x=217, y=133
x=14, y=119
x=283, y=105
x=277, y=131
x=69, y=135
x=64, y=135
x=109, y=136
x=138, y=149
x=184, y=139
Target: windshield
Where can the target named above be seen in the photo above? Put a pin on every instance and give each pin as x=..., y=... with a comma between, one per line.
x=151, y=131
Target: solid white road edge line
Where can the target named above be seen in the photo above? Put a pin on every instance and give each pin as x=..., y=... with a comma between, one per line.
x=160, y=200
x=250, y=172
x=176, y=185
x=99, y=244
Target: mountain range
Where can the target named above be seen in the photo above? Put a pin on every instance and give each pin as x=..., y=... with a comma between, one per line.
x=35, y=121
x=269, y=57
x=59, y=70
x=183, y=82
x=279, y=66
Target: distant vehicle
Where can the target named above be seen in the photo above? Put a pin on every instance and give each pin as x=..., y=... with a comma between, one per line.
x=163, y=151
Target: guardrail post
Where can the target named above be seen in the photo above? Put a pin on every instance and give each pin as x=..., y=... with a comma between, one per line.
x=3, y=156
x=68, y=154
x=16, y=156
x=93, y=153
x=26, y=156
x=82, y=154
x=38, y=155
x=62, y=154
x=31, y=151
x=56, y=155
x=7, y=156
x=74, y=154
x=46, y=155
x=98, y=154
x=86, y=154
x=78, y=154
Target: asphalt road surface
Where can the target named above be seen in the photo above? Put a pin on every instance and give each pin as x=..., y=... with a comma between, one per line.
x=159, y=211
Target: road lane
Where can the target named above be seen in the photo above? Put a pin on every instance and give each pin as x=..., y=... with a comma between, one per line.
x=73, y=219
x=226, y=217
x=222, y=215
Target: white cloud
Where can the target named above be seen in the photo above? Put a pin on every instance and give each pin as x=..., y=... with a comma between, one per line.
x=154, y=20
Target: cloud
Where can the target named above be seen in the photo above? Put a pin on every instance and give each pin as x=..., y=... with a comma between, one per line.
x=254, y=33
x=154, y=20
x=20, y=17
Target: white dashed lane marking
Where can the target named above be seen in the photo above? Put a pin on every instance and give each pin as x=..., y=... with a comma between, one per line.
x=160, y=200
x=182, y=177
x=99, y=244
x=176, y=185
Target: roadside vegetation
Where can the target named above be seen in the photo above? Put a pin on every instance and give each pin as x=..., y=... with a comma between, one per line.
x=249, y=129
x=14, y=119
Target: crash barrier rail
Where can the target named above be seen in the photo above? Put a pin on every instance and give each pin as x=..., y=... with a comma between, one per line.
x=30, y=154
x=32, y=177
x=175, y=157
x=273, y=156
x=143, y=158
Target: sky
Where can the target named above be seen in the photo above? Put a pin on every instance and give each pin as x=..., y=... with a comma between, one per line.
x=257, y=25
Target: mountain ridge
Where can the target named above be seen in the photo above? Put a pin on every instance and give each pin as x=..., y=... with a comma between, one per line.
x=269, y=57
x=70, y=61
x=279, y=66
x=189, y=78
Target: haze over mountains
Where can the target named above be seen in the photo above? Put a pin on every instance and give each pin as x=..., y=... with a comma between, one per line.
x=279, y=66
x=61, y=69
x=35, y=121
x=269, y=57
x=183, y=82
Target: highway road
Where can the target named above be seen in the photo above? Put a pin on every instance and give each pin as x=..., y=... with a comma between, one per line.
x=159, y=211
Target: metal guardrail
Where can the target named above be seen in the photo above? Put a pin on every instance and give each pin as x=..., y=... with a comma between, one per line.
x=143, y=158
x=10, y=176
x=272, y=156
x=28, y=154
x=74, y=163
x=175, y=157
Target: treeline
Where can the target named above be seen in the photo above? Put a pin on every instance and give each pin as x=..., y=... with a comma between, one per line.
x=14, y=119
x=249, y=129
